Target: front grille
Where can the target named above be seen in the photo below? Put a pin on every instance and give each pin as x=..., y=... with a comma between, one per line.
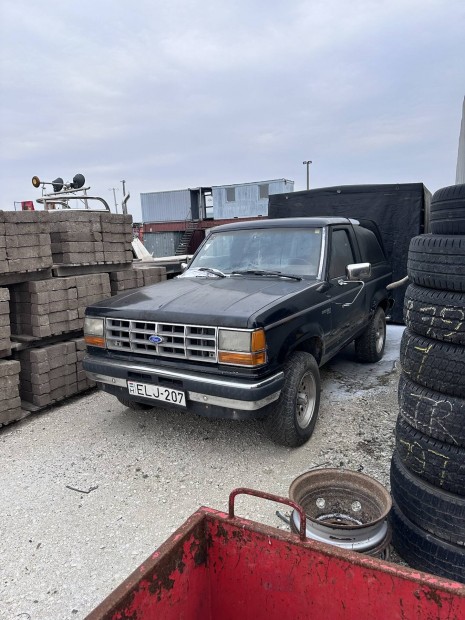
x=189, y=342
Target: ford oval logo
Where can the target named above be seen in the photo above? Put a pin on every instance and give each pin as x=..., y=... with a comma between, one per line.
x=155, y=339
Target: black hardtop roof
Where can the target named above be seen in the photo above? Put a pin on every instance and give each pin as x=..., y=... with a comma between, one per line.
x=285, y=222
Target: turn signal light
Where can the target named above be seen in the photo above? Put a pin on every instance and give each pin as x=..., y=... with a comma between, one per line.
x=95, y=341
x=258, y=340
x=244, y=359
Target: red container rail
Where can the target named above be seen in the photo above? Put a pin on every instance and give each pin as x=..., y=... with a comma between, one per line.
x=219, y=566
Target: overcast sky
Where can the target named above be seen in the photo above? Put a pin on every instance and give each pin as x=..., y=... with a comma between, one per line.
x=176, y=94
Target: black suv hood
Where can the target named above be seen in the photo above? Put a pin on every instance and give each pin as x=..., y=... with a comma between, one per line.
x=240, y=301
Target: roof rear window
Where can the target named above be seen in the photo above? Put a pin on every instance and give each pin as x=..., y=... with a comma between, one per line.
x=369, y=246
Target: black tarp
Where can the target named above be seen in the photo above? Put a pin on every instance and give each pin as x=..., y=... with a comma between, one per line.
x=401, y=212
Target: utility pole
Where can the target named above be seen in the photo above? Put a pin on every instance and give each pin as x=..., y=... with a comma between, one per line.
x=124, y=187
x=307, y=163
x=114, y=190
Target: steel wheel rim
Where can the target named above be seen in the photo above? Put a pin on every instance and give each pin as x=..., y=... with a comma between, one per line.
x=305, y=400
x=380, y=330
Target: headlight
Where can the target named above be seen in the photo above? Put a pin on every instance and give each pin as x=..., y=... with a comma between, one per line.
x=242, y=348
x=229, y=340
x=94, y=331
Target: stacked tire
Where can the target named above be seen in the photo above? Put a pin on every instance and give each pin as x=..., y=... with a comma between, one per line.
x=428, y=465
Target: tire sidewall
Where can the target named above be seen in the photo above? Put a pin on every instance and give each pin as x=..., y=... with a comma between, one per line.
x=282, y=421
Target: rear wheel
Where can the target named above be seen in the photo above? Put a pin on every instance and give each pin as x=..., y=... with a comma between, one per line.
x=369, y=347
x=292, y=418
x=132, y=404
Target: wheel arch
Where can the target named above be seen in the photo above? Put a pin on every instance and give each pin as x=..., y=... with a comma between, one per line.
x=307, y=338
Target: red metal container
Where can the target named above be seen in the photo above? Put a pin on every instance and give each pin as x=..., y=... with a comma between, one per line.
x=218, y=566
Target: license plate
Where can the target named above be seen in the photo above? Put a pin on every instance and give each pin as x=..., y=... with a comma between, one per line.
x=156, y=392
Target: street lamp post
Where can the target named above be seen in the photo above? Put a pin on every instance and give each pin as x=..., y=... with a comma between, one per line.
x=307, y=163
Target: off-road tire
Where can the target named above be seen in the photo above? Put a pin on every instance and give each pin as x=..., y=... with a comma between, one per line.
x=282, y=421
x=369, y=347
x=436, y=314
x=424, y=551
x=436, y=261
x=439, y=463
x=436, y=365
x=447, y=211
x=134, y=405
x=432, y=413
x=433, y=510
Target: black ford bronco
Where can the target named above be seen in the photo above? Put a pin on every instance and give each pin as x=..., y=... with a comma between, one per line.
x=242, y=331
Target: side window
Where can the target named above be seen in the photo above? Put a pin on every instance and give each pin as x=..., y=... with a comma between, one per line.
x=341, y=254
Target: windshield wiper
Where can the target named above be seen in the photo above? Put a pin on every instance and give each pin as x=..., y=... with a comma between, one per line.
x=263, y=272
x=214, y=271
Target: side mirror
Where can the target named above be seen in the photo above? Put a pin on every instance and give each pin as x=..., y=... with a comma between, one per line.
x=359, y=271
x=183, y=266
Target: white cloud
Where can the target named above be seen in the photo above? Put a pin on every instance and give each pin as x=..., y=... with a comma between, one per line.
x=180, y=93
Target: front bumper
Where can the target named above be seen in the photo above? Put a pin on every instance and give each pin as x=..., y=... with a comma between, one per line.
x=209, y=395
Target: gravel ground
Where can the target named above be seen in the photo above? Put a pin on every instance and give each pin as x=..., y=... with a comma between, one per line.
x=145, y=472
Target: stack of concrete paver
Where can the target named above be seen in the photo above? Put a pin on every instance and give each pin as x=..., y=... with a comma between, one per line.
x=86, y=237
x=5, y=343
x=128, y=279
x=117, y=237
x=52, y=373
x=24, y=241
x=10, y=403
x=49, y=307
x=83, y=383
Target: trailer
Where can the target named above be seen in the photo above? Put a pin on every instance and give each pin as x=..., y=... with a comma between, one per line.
x=218, y=565
x=400, y=210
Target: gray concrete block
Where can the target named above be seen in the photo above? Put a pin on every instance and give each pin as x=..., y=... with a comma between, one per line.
x=75, y=237
x=18, y=217
x=11, y=415
x=26, y=385
x=28, y=252
x=39, y=400
x=31, y=228
x=36, y=355
x=12, y=391
x=77, y=247
x=4, y=320
x=5, y=332
x=73, y=216
x=36, y=239
x=9, y=368
x=19, y=265
x=75, y=227
x=9, y=381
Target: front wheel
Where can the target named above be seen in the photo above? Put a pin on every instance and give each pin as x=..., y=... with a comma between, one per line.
x=369, y=347
x=293, y=416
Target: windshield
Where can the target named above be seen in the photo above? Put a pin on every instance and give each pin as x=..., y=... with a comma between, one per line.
x=290, y=251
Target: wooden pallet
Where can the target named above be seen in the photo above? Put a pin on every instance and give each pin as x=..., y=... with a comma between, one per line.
x=5, y=352
x=24, y=276
x=63, y=270
x=20, y=342
x=31, y=408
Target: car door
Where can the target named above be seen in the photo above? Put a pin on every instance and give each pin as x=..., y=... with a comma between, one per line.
x=346, y=306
